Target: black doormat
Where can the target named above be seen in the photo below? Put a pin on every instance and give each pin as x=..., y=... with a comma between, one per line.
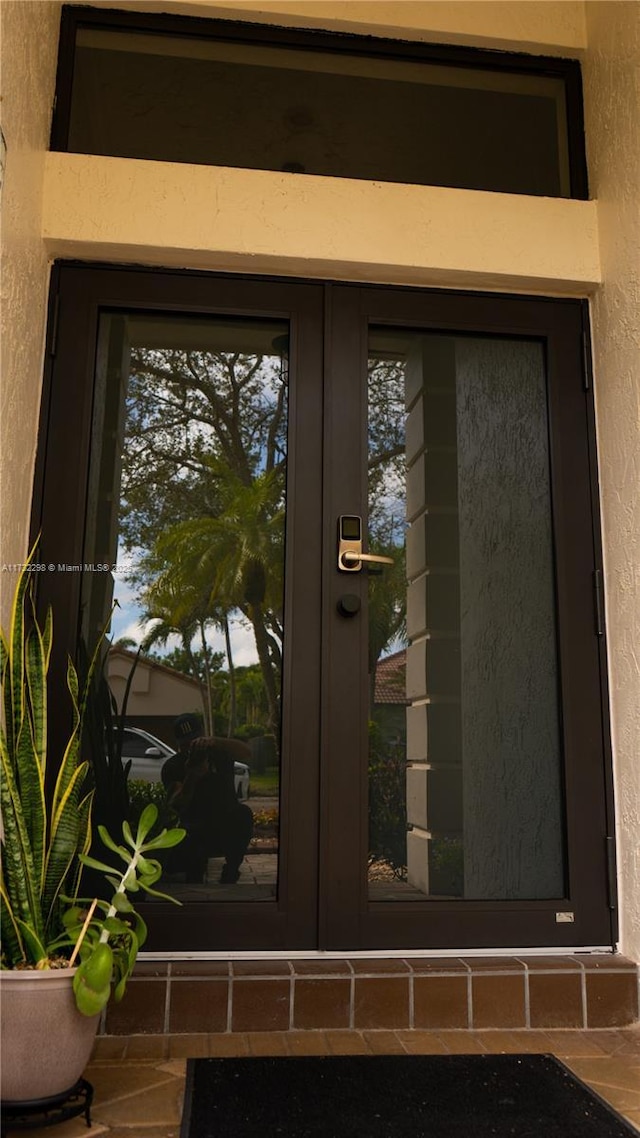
x=393, y=1096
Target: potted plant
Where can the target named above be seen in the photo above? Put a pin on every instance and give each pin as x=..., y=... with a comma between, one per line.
x=62, y=956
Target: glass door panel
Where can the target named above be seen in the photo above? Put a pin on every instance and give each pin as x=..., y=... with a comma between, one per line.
x=465, y=782
x=185, y=533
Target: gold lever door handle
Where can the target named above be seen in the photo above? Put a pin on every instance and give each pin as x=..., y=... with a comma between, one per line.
x=352, y=555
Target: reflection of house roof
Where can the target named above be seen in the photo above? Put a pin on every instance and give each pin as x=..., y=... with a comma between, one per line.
x=154, y=665
x=391, y=679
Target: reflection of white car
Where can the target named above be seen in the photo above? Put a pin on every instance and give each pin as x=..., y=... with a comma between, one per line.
x=148, y=753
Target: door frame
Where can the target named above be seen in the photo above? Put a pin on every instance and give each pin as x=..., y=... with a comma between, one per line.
x=322, y=896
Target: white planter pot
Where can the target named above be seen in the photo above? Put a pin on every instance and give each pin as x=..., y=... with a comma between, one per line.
x=46, y=1042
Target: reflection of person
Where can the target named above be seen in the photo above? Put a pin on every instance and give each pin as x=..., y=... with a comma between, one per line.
x=200, y=785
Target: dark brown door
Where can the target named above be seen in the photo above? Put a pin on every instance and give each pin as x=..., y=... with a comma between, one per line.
x=462, y=717
x=423, y=731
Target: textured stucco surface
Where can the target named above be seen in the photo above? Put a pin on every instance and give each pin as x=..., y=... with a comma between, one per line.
x=555, y=26
x=612, y=106
x=261, y=221
x=29, y=48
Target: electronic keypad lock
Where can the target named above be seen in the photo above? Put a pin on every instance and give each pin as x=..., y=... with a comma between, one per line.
x=350, y=555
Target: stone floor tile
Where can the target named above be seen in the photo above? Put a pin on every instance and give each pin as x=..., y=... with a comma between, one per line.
x=147, y=1047
x=633, y=1116
x=73, y=1128
x=516, y=1042
x=384, y=1042
x=464, y=1042
x=574, y=1043
x=421, y=1043
x=618, y=1041
x=121, y=1080
x=109, y=1047
x=619, y=1099
x=231, y=1043
x=175, y=1067
x=307, y=1043
x=140, y=1130
x=162, y=1106
x=267, y=1043
x=347, y=1043
x=189, y=1046
x=617, y=1073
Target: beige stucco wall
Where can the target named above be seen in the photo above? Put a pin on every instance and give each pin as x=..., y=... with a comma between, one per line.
x=29, y=47
x=155, y=690
x=553, y=27
x=612, y=108
x=260, y=221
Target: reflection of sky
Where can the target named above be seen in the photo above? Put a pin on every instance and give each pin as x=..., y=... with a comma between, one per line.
x=127, y=623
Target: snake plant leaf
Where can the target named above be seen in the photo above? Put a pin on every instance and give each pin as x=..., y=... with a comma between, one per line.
x=30, y=781
x=47, y=638
x=84, y=842
x=37, y=952
x=4, y=657
x=69, y=762
x=12, y=943
x=19, y=874
x=31, y=750
x=64, y=842
x=36, y=674
x=13, y=687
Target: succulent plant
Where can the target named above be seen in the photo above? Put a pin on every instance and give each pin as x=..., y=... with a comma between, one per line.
x=46, y=836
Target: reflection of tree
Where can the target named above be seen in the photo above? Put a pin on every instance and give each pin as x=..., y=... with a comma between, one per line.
x=252, y=710
x=176, y=608
x=203, y=494
x=386, y=484
x=178, y=659
x=386, y=449
x=239, y=554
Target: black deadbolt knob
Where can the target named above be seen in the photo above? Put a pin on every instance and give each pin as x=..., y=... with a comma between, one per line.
x=349, y=604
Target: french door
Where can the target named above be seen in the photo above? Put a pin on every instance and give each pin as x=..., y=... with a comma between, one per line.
x=356, y=529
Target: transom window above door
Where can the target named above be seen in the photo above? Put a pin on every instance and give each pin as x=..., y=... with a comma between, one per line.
x=217, y=93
